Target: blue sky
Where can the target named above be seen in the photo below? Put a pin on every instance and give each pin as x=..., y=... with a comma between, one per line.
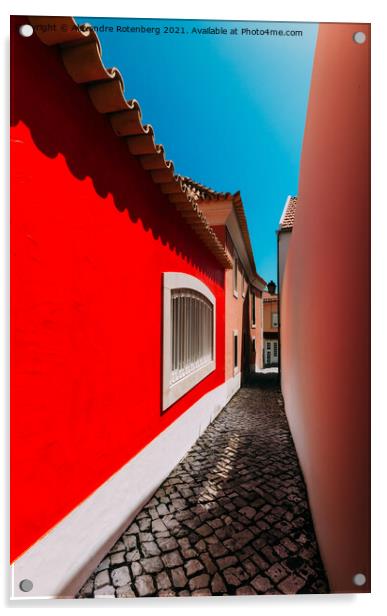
x=229, y=109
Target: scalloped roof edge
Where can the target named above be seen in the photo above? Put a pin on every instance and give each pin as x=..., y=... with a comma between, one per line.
x=81, y=54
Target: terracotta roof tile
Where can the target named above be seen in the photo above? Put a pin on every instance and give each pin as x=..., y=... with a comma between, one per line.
x=203, y=193
x=268, y=297
x=288, y=217
x=82, y=57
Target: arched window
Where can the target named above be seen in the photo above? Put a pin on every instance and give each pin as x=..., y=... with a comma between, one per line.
x=188, y=336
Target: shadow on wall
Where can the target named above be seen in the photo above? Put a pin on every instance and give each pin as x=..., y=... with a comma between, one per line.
x=62, y=120
x=246, y=343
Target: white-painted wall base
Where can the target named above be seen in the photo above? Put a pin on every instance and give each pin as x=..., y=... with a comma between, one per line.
x=60, y=562
x=232, y=386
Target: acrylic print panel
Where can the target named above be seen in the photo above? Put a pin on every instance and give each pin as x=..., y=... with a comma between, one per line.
x=192, y=226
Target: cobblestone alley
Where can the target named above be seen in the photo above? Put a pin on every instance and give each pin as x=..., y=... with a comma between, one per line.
x=232, y=517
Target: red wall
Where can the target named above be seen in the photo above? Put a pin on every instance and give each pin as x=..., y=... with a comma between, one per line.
x=90, y=237
x=325, y=306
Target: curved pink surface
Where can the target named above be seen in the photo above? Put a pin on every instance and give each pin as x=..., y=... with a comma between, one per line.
x=325, y=306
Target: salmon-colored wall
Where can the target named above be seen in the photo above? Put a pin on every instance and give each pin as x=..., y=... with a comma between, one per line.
x=325, y=306
x=256, y=332
x=234, y=315
x=269, y=308
x=91, y=236
x=238, y=310
x=260, y=360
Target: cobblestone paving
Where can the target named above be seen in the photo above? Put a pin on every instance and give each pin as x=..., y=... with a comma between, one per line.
x=231, y=519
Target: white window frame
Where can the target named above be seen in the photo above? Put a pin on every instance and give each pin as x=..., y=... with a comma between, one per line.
x=253, y=310
x=172, y=392
x=272, y=320
x=236, y=367
x=254, y=344
x=243, y=285
x=235, y=275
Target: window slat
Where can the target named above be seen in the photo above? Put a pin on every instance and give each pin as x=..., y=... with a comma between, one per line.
x=192, y=332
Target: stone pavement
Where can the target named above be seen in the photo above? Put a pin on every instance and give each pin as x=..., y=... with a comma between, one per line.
x=231, y=519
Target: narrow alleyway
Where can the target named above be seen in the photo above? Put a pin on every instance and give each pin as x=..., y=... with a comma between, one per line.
x=232, y=517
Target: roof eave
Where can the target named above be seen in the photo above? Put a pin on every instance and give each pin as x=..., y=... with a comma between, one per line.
x=80, y=51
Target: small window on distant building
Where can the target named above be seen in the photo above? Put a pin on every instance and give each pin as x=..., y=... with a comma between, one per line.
x=274, y=319
x=189, y=334
x=275, y=349
x=236, y=275
x=253, y=309
x=235, y=351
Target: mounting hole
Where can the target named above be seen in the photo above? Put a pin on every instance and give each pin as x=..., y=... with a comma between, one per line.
x=26, y=30
x=26, y=585
x=359, y=37
x=359, y=579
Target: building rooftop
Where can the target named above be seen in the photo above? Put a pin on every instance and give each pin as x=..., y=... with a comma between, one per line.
x=268, y=297
x=81, y=53
x=203, y=193
x=289, y=213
